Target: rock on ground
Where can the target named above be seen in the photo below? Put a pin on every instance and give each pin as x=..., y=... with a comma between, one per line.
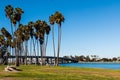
x=11, y=69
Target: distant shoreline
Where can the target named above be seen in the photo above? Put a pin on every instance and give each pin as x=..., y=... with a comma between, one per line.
x=98, y=62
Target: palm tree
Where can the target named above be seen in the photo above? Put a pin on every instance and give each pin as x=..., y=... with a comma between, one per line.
x=36, y=35
x=16, y=33
x=9, y=12
x=20, y=38
x=47, y=31
x=40, y=35
x=1, y=39
x=18, y=13
x=26, y=38
x=31, y=33
x=40, y=32
x=36, y=38
x=7, y=42
x=16, y=17
x=2, y=42
x=59, y=18
x=52, y=21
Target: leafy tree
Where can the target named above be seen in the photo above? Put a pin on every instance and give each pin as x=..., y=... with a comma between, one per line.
x=114, y=59
x=87, y=59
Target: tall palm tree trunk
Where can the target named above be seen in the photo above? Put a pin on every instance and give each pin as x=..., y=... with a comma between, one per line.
x=43, y=52
x=12, y=40
x=46, y=44
x=34, y=51
x=16, y=52
x=12, y=31
x=26, y=52
x=22, y=51
x=17, y=59
x=38, y=50
x=59, y=43
x=31, y=54
x=54, y=45
x=41, y=49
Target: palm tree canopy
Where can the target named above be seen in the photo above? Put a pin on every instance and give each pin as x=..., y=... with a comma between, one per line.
x=13, y=43
x=6, y=33
x=47, y=29
x=17, y=13
x=8, y=11
x=51, y=19
x=8, y=42
x=26, y=32
x=58, y=17
x=2, y=40
x=13, y=20
x=31, y=28
x=5, y=38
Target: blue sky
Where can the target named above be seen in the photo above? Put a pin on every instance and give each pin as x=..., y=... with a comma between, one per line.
x=91, y=27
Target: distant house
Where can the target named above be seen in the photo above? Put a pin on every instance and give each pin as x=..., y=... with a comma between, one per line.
x=118, y=59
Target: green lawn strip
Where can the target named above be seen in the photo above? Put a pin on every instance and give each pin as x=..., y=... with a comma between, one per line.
x=32, y=72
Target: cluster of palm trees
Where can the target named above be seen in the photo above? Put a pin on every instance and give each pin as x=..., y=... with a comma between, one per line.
x=34, y=32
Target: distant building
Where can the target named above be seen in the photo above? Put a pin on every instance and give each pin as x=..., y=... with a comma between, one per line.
x=118, y=59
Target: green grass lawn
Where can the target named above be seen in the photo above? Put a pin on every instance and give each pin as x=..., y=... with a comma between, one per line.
x=32, y=72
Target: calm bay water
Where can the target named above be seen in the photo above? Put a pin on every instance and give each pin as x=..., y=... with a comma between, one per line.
x=94, y=65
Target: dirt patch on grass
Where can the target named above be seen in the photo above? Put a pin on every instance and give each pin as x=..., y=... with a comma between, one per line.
x=7, y=79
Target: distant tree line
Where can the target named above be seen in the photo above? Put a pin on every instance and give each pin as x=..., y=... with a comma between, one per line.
x=93, y=58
